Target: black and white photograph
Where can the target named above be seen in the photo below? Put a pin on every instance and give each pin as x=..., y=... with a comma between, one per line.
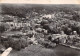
x=39, y=29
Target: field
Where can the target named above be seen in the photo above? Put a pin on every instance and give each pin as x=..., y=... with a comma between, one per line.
x=37, y=50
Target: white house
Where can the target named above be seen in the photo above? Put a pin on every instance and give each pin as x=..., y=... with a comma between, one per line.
x=47, y=16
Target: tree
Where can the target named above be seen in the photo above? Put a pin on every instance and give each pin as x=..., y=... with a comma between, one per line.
x=2, y=29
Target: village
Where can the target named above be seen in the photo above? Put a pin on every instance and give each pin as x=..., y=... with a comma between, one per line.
x=35, y=33
x=40, y=28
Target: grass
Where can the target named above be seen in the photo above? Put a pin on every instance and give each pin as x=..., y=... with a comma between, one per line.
x=37, y=50
x=33, y=50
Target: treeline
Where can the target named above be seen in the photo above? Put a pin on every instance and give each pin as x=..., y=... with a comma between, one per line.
x=22, y=10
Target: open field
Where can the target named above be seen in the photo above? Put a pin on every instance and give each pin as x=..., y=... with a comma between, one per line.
x=36, y=50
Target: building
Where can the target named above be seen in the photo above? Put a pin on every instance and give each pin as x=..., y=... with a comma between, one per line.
x=47, y=16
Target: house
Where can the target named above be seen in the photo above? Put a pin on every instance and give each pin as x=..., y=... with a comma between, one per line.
x=62, y=38
x=47, y=16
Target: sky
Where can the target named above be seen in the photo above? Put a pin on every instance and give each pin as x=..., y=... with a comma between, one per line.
x=42, y=1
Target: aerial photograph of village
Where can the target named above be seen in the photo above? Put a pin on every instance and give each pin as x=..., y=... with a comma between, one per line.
x=40, y=29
